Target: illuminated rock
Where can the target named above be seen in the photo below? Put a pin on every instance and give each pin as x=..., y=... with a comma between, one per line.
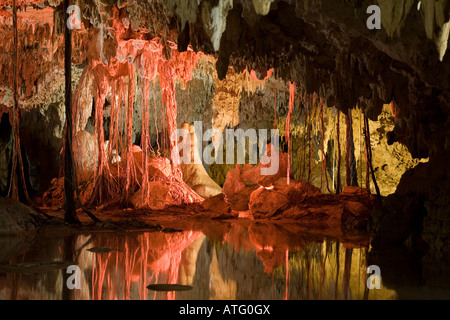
x=267, y=202
x=164, y=194
x=216, y=204
x=194, y=174
x=234, y=183
x=85, y=154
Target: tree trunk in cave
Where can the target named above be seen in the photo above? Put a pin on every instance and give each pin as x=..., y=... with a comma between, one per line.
x=18, y=186
x=352, y=178
x=338, y=177
x=70, y=214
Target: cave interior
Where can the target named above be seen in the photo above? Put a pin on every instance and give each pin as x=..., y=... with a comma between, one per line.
x=288, y=128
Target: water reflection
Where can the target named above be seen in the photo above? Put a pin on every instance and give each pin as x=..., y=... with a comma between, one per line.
x=219, y=260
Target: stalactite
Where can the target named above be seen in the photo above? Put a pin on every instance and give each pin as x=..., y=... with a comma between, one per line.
x=366, y=160
x=235, y=89
x=275, y=107
x=130, y=169
x=156, y=117
x=350, y=156
x=113, y=119
x=145, y=142
x=324, y=158
x=347, y=155
x=394, y=110
x=165, y=130
x=168, y=96
x=305, y=140
x=311, y=137
x=361, y=135
x=116, y=130
x=369, y=156
x=301, y=148
x=288, y=124
x=120, y=119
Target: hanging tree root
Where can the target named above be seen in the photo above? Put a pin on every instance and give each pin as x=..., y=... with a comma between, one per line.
x=17, y=155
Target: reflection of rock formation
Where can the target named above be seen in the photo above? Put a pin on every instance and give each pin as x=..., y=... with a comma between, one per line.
x=250, y=263
x=188, y=262
x=220, y=287
x=316, y=269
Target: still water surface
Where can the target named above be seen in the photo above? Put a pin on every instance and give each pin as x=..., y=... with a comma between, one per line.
x=220, y=260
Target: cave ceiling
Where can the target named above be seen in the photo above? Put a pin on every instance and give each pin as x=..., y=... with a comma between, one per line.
x=322, y=46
